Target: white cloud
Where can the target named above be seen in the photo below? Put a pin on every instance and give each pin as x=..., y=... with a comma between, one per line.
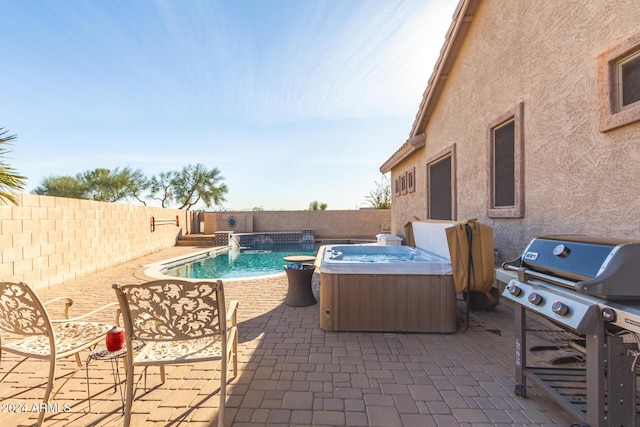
x=376, y=64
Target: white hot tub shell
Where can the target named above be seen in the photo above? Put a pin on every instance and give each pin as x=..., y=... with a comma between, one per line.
x=411, y=292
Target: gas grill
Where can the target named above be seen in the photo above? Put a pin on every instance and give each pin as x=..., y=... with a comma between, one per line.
x=590, y=289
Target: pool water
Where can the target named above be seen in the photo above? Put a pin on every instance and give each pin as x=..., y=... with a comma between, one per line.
x=251, y=261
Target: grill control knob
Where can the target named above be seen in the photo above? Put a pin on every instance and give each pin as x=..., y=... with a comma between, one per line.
x=609, y=314
x=534, y=298
x=561, y=251
x=514, y=290
x=559, y=308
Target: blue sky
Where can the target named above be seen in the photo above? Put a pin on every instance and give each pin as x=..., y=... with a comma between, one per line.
x=293, y=101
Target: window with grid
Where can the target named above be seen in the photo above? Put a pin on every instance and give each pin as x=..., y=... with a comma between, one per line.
x=505, y=186
x=441, y=185
x=411, y=180
x=440, y=189
x=503, y=166
x=619, y=84
x=629, y=81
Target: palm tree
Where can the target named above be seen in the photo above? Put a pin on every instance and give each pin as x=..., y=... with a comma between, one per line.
x=10, y=180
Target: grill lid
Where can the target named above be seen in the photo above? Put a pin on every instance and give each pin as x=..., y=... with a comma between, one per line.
x=570, y=257
x=607, y=268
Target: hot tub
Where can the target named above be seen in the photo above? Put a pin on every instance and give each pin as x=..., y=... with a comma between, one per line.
x=386, y=289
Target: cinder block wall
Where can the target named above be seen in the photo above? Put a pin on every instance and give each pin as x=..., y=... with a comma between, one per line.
x=47, y=240
x=362, y=223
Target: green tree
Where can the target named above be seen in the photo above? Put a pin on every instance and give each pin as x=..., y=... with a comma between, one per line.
x=10, y=180
x=107, y=185
x=189, y=186
x=195, y=183
x=161, y=189
x=380, y=197
x=317, y=206
x=61, y=186
x=100, y=184
x=136, y=184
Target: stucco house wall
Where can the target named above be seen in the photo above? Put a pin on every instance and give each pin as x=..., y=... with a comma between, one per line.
x=543, y=55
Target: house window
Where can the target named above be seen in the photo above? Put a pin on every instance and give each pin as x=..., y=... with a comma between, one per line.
x=403, y=185
x=629, y=81
x=503, y=166
x=411, y=180
x=619, y=84
x=441, y=195
x=396, y=187
x=505, y=183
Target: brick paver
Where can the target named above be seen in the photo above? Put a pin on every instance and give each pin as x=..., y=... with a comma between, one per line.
x=292, y=372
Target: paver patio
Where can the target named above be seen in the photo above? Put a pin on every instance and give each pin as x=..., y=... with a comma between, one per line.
x=291, y=372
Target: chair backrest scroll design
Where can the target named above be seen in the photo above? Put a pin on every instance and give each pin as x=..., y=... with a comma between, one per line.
x=21, y=311
x=169, y=310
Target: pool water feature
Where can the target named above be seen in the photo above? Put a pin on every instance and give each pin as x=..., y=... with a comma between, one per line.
x=241, y=262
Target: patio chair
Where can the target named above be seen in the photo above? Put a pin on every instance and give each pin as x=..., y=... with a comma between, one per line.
x=24, y=316
x=180, y=322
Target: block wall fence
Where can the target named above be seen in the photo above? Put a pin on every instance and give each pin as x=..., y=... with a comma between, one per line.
x=47, y=240
x=329, y=224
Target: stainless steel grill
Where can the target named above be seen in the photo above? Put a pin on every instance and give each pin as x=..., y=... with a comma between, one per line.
x=590, y=288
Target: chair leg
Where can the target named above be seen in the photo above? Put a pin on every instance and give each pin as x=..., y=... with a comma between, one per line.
x=235, y=356
x=78, y=361
x=129, y=398
x=47, y=393
x=162, y=377
x=223, y=392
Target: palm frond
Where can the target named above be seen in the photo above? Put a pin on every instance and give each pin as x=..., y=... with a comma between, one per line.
x=10, y=180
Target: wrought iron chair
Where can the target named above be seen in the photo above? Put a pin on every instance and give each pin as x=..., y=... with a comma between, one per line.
x=24, y=316
x=180, y=322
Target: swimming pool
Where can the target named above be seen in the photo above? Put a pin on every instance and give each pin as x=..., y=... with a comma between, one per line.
x=250, y=261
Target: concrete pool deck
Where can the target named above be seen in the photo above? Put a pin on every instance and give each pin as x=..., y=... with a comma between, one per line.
x=291, y=372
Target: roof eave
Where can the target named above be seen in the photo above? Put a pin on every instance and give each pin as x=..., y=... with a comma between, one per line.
x=412, y=144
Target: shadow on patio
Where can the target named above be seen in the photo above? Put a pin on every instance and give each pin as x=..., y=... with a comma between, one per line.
x=291, y=372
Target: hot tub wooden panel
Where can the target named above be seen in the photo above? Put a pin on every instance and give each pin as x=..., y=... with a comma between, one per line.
x=387, y=303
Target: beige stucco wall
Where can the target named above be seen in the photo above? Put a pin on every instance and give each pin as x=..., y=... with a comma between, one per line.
x=544, y=54
x=46, y=240
x=362, y=223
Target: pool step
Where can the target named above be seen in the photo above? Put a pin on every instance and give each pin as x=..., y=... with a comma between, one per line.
x=197, y=240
